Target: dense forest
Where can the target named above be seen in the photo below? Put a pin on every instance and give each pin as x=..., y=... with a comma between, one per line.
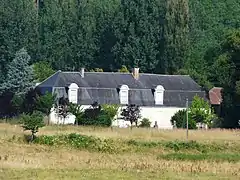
x=196, y=37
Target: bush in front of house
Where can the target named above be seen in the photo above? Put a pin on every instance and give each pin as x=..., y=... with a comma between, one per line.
x=145, y=123
x=200, y=111
x=132, y=113
x=181, y=122
x=98, y=115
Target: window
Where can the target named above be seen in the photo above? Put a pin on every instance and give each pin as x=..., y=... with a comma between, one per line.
x=73, y=93
x=123, y=94
x=158, y=95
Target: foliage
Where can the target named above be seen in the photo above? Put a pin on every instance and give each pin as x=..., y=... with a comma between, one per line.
x=45, y=102
x=17, y=103
x=19, y=76
x=93, y=112
x=96, y=70
x=32, y=122
x=176, y=39
x=63, y=107
x=231, y=98
x=158, y=36
x=181, y=122
x=42, y=70
x=110, y=110
x=131, y=113
x=202, y=157
x=145, y=123
x=98, y=115
x=18, y=29
x=201, y=111
x=76, y=110
x=123, y=69
x=79, y=141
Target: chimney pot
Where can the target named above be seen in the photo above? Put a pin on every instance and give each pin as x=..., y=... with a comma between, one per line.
x=82, y=72
x=135, y=73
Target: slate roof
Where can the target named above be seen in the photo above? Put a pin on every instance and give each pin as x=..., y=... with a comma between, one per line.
x=103, y=87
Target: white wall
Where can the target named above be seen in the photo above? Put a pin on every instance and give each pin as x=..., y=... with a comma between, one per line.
x=55, y=119
x=70, y=119
x=160, y=114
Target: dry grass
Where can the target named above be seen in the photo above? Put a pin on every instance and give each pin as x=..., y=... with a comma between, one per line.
x=24, y=161
x=137, y=134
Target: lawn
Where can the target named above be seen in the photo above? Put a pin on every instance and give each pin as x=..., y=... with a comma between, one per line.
x=121, y=154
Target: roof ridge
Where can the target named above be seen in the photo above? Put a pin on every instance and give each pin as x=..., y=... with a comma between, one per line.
x=125, y=73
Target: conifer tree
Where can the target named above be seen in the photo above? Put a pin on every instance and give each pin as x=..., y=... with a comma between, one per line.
x=20, y=75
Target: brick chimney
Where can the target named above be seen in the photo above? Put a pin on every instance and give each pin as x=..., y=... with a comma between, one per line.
x=82, y=72
x=135, y=73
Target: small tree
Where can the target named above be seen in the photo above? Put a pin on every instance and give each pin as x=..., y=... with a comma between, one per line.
x=63, y=108
x=201, y=111
x=110, y=110
x=131, y=113
x=76, y=110
x=44, y=103
x=32, y=122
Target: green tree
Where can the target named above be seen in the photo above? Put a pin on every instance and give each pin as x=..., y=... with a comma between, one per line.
x=137, y=30
x=44, y=103
x=131, y=113
x=18, y=28
x=42, y=70
x=63, y=108
x=176, y=40
x=201, y=111
x=32, y=122
x=231, y=98
x=19, y=76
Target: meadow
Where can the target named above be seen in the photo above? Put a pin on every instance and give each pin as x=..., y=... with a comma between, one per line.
x=69, y=152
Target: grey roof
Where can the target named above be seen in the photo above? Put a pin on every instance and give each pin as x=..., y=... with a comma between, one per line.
x=102, y=87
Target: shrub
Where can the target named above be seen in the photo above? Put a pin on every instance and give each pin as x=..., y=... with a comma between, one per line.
x=78, y=141
x=110, y=110
x=98, y=115
x=32, y=122
x=131, y=113
x=182, y=145
x=145, y=123
x=180, y=119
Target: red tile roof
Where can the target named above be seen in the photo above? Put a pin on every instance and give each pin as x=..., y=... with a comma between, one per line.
x=215, y=95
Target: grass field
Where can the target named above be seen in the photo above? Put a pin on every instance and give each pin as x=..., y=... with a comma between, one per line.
x=137, y=154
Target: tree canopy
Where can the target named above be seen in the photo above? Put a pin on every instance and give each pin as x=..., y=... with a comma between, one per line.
x=199, y=38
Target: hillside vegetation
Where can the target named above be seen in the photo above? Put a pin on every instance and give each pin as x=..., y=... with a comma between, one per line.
x=200, y=38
